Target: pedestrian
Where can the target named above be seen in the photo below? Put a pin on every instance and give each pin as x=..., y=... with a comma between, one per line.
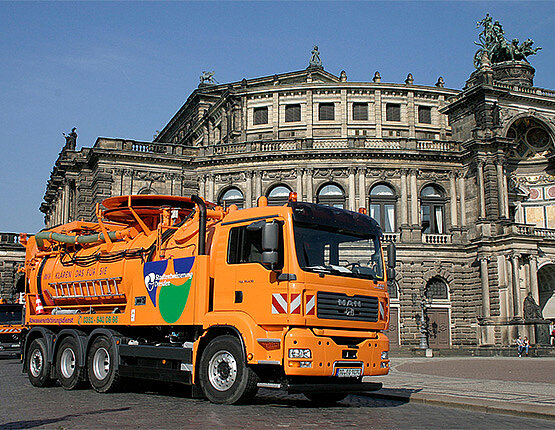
x=552, y=334
x=519, y=346
x=526, y=345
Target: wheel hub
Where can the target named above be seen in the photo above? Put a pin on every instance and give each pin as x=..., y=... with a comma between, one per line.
x=222, y=370
x=101, y=363
x=35, y=365
x=67, y=363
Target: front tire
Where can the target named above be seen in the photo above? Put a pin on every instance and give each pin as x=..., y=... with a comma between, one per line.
x=224, y=376
x=37, y=365
x=70, y=375
x=101, y=365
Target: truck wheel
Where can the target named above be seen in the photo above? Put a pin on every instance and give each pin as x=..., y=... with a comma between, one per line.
x=101, y=366
x=70, y=375
x=325, y=399
x=224, y=375
x=38, y=366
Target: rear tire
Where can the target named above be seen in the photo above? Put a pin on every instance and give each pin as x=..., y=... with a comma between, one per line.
x=70, y=374
x=37, y=364
x=224, y=376
x=101, y=366
x=325, y=399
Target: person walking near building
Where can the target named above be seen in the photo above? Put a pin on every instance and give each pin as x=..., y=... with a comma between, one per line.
x=525, y=345
x=520, y=346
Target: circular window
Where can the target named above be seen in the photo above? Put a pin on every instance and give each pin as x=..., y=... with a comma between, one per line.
x=537, y=138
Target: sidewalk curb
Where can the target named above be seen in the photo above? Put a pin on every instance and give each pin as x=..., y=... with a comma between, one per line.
x=493, y=407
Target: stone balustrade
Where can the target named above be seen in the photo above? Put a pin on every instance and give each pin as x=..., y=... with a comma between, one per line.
x=391, y=237
x=437, y=239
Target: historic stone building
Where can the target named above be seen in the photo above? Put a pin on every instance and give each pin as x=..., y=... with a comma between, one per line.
x=12, y=256
x=462, y=181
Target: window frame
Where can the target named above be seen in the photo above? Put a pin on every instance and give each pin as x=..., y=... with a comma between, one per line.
x=382, y=201
x=433, y=203
x=291, y=106
x=423, y=108
x=326, y=104
x=360, y=104
x=389, y=106
x=260, y=109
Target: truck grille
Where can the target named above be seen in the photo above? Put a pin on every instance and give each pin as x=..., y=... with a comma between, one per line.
x=343, y=307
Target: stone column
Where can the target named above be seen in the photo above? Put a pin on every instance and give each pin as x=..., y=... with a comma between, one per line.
x=534, y=278
x=462, y=195
x=481, y=189
x=487, y=330
x=411, y=114
x=453, y=192
x=500, y=189
x=352, y=191
x=224, y=125
x=344, y=114
x=309, y=113
x=299, y=189
x=65, y=217
x=248, y=197
x=202, y=186
x=505, y=192
x=258, y=184
x=275, y=114
x=211, y=180
x=378, y=112
x=309, y=195
x=516, y=286
x=484, y=276
x=404, y=198
x=244, y=121
x=510, y=287
x=413, y=198
x=362, y=187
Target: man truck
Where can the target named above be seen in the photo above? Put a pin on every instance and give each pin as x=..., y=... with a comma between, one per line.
x=176, y=289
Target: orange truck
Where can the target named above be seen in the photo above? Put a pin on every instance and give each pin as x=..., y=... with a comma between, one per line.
x=177, y=289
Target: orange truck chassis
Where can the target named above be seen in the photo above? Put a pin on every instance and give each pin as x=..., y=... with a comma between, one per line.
x=177, y=289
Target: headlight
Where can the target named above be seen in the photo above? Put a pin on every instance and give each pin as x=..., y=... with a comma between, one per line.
x=385, y=355
x=299, y=353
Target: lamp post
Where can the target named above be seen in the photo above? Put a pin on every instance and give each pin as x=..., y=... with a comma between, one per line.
x=422, y=301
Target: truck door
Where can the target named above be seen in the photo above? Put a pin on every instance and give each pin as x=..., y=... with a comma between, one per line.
x=255, y=288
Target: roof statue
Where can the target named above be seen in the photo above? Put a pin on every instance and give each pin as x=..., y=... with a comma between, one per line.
x=492, y=42
x=315, y=60
x=207, y=78
x=71, y=139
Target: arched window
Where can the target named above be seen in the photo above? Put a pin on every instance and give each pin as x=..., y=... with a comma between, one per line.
x=382, y=206
x=331, y=195
x=432, y=210
x=436, y=289
x=530, y=136
x=278, y=195
x=147, y=190
x=232, y=196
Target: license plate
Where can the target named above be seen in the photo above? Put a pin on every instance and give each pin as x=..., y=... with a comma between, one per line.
x=348, y=373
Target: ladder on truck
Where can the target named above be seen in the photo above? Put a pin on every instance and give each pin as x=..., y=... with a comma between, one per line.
x=95, y=289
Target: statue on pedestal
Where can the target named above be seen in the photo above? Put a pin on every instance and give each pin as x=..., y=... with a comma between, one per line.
x=71, y=140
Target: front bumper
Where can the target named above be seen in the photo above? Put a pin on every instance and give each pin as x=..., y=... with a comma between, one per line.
x=335, y=353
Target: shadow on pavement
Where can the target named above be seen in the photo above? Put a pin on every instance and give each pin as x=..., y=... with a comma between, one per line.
x=29, y=424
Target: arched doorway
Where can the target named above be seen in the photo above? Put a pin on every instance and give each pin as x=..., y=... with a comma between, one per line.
x=546, y=286
x=439, y=321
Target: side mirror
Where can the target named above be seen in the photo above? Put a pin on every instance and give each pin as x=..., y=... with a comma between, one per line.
x=270, y=241
x=391, y=255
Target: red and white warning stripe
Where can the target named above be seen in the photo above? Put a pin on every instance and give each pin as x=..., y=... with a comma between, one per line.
x=382, y=311
x=279, y=303
x=310, y=304
x=10, y=330
x=295, y=307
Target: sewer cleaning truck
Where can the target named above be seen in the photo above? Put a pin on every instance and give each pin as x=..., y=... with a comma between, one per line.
x=176, y=289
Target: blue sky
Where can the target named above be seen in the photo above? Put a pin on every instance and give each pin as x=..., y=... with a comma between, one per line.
x=122, y=69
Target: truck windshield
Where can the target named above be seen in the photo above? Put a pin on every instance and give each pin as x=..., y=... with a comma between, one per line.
x=11, y=314
x=338, y=242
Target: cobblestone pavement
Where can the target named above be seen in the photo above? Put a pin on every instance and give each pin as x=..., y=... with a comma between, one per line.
x=517, y=385
x=24, y=406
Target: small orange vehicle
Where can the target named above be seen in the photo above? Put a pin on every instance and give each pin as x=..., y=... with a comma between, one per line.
x=177, y=289
x=11, y=327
